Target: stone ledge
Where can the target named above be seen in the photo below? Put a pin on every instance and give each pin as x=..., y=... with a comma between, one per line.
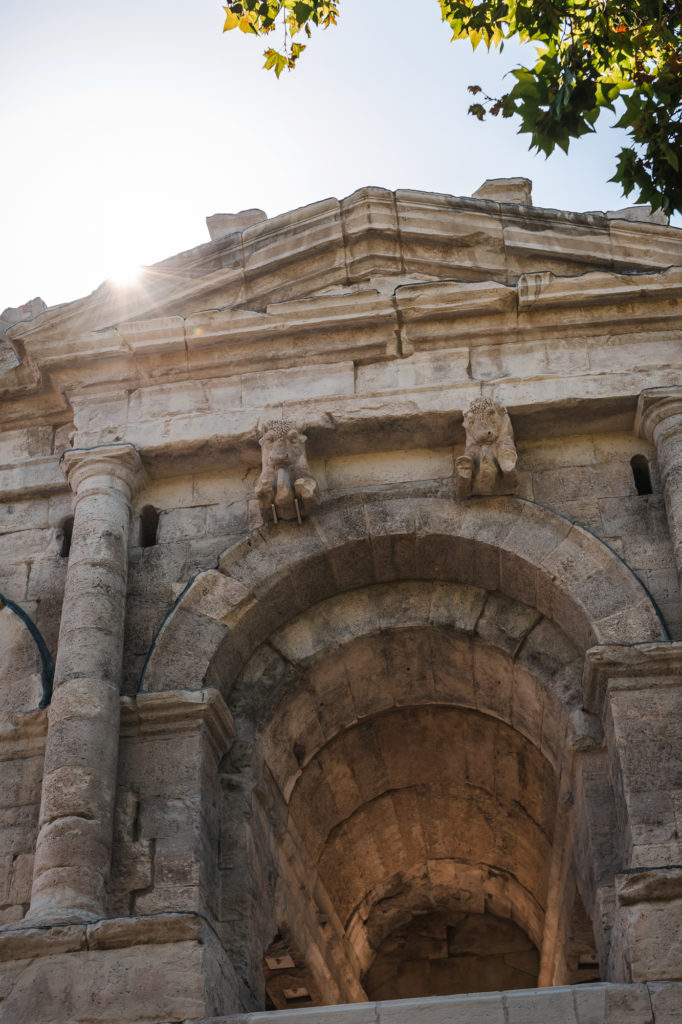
x=629, y=667
x=156, y=968
x=31, y=939
x=577, y=1004
x=177, y=711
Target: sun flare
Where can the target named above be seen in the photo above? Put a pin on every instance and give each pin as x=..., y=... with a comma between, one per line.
x=124, y=274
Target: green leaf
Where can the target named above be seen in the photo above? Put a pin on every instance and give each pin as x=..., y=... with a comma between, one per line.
x=277, y=61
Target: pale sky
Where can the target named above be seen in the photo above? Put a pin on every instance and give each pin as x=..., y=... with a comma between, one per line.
x=124, y=125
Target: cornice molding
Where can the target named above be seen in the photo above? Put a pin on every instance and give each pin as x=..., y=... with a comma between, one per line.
x=372, y=232
x=177, y=711
x=368, y=327
x=613, y=667
x=361, y=324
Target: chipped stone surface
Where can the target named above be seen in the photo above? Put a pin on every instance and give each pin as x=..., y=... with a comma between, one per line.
x=506, y=190
x=405, y=728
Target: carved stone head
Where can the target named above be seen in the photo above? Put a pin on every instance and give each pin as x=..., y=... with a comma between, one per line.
x=485, y=421
x=285, y=489
x=488, y=465
x=282, y=444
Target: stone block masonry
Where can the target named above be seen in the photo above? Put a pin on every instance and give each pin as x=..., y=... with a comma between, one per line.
x=354, y=538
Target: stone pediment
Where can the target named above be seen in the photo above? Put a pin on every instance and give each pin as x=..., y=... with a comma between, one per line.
x=372, y=233
x=385, y=294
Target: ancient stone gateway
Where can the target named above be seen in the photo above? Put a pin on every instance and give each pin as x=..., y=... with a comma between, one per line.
x=407, y=679
x=378, y=720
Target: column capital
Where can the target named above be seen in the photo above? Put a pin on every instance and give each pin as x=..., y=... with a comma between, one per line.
x=655, y=405
x=118, y=460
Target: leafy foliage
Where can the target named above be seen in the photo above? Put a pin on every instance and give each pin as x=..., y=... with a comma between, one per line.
x=261, y=16
x=591, y=55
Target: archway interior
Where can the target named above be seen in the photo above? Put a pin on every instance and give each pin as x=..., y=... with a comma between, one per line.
x=450, y=953
x=427, y=813
x=406, y=743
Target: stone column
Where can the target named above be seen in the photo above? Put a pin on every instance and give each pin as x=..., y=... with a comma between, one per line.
x=73, y=850
x=659, y=419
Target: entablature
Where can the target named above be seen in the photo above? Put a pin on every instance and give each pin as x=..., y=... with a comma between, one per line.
x=591, y=337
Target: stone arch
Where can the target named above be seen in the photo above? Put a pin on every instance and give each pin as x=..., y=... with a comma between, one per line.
x=504, y=595
x=439, y=884
x=363, y=652
x=509, y=545
x=428, y=784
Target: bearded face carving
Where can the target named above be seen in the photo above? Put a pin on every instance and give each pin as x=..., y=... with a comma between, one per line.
x=488, y=465
x=286, y=488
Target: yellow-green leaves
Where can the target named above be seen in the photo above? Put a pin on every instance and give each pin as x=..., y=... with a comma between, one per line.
x=277, y=61
x=237, y=17
x=280, y=62
x=261, y=17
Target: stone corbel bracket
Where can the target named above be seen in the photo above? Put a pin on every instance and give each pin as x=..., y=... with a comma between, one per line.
x=286, y=489
x=488, y=465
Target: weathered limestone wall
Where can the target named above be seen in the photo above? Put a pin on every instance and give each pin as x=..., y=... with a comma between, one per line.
x=407, y=708
x=587, y=478
x=22, y=749
x=31, y=570
x=169, y=967
x=166, y=853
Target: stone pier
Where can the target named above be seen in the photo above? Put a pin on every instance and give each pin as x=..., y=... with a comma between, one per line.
x=637, y=689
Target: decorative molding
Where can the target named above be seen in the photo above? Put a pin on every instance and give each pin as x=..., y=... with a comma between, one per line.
x=119, y=460
x=620, y=667
x=177, y=711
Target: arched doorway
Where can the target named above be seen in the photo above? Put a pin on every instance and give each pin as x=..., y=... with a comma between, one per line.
x=405, y=678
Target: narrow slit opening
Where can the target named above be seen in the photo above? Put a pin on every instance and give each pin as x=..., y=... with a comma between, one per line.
x=641, y=474
x=66, y=529
x=149, y=526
